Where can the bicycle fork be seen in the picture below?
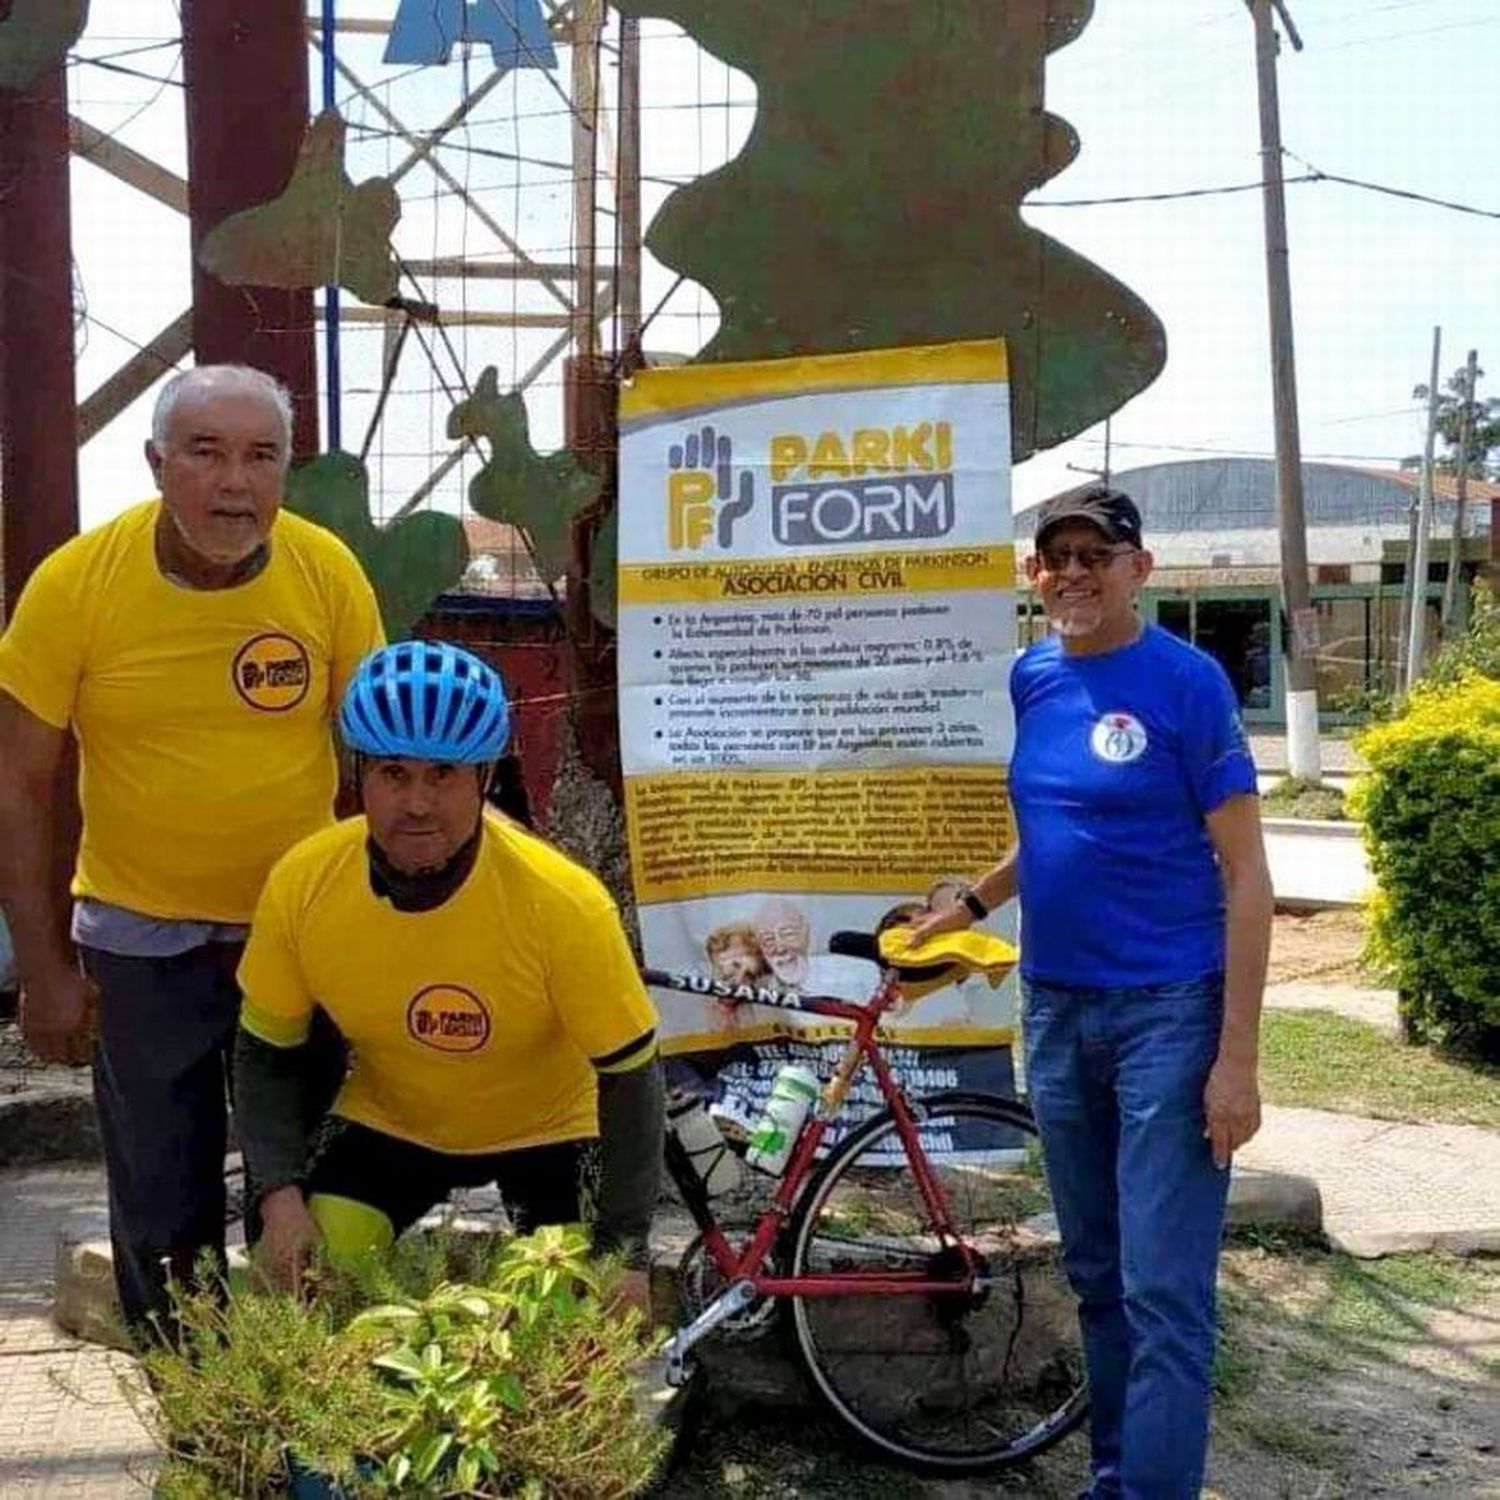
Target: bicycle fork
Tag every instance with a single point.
(733, 1300)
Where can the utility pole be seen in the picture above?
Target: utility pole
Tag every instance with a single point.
(1416, 561)
(1304, 752)
(1460, 497)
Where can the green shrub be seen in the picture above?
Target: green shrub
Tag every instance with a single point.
(1478, 648)
(1293, 797)
(1431, 810)
(520, 1382)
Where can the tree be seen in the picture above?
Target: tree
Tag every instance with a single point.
(1484, 427)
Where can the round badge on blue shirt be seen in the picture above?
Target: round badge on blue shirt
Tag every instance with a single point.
(1118, 739)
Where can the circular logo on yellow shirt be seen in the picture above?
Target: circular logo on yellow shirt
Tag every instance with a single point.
(448, 1019)
(272, 672)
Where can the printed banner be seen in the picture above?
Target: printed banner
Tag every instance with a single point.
(816, 626)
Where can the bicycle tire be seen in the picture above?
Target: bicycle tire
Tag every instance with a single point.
(938, 1421)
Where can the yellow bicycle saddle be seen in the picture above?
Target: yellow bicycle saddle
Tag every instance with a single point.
(945, 959)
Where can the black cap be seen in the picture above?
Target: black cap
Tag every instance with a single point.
(1112, 511)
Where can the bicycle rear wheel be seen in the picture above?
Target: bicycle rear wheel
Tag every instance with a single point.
(960, 1382)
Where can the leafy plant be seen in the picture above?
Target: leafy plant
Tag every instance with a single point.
(1292, 797)
(521, 1383)
(1478, 649)
(1431, 809)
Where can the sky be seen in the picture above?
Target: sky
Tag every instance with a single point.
(1162, 94)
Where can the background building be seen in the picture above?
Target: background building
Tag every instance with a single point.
(1212, 528)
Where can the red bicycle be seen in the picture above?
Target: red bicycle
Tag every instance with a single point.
(928, 1304)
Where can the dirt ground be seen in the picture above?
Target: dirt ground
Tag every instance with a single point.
(1319, 947)
(1337, 1380)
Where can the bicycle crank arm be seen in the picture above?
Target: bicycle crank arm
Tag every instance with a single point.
(733, 1300)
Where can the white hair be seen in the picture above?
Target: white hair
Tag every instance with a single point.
(227, 379)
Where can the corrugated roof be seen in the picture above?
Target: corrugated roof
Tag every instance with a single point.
(1239, 494)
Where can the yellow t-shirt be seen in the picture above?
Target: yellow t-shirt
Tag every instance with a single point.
(204, 717)
(475, 1027)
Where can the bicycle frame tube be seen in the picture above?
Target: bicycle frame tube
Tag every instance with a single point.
(746, 1263)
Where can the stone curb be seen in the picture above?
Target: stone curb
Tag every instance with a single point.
(1321, 828)
(48, 1125)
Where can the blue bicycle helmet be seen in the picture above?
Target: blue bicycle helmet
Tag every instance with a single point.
(426, 700)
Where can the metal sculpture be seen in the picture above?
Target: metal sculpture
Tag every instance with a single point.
(542, 494)
(877, 201)
(322, 230)
(35, 36)
(409, 562)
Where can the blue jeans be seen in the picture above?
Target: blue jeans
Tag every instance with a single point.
(1116, 1080)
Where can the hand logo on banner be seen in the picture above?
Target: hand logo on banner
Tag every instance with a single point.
(703, 499)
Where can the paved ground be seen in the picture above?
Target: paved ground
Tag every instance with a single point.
(1374, 1007)
(1388, 1187)
(1337, 757)
(1317, 864)
(66, 1432)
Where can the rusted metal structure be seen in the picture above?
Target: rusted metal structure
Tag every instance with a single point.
(38, 441)
(247, 106)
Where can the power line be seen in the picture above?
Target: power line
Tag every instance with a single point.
(1395, 36)
(1313, 174)
(1392, 192)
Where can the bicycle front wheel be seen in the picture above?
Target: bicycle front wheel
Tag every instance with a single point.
(961, 1381)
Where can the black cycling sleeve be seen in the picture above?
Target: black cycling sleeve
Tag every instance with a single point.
(632, 1117)
(270, 1110)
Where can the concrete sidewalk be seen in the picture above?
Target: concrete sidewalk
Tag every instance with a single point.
(1387, 1188)
(66, 1430)
(1317, 864)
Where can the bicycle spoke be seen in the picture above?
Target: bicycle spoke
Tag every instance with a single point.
(962, 1380)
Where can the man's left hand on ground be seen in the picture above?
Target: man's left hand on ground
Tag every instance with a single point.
(1231, 1108)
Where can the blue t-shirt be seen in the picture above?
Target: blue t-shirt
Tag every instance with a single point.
(1118, 759)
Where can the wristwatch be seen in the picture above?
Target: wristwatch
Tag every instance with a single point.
(970, 899)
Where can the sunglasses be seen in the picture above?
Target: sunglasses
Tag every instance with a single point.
(1056, 559)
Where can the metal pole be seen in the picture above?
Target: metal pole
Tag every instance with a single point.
(1301, 643)
(1460, 497)
(245, 67)
(331, 326)
(588, 27)
(628, 197)
(38, 413)
(1417, 563)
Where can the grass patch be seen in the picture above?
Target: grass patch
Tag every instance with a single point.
(1323, 1060)
(1292, 797)
(1385, 1301)
(1238, 1363)
(1289, 1435)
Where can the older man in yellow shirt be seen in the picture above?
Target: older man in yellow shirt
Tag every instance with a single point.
(196, 646)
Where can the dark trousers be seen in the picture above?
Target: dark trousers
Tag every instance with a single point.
(162, 1068)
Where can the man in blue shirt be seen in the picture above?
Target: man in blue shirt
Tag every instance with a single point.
(1146, 916)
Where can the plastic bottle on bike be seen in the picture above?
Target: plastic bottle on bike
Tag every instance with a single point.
(793, 1095)
(707, 1149)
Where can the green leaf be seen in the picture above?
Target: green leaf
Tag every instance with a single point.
(467, 1471)
(429, 1454)
(401, 1361)
(390, 1314)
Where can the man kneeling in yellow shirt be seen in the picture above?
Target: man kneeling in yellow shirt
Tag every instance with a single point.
(482, 980)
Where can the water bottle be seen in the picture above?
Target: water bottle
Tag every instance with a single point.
(793, 1095)
(708, 1151)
